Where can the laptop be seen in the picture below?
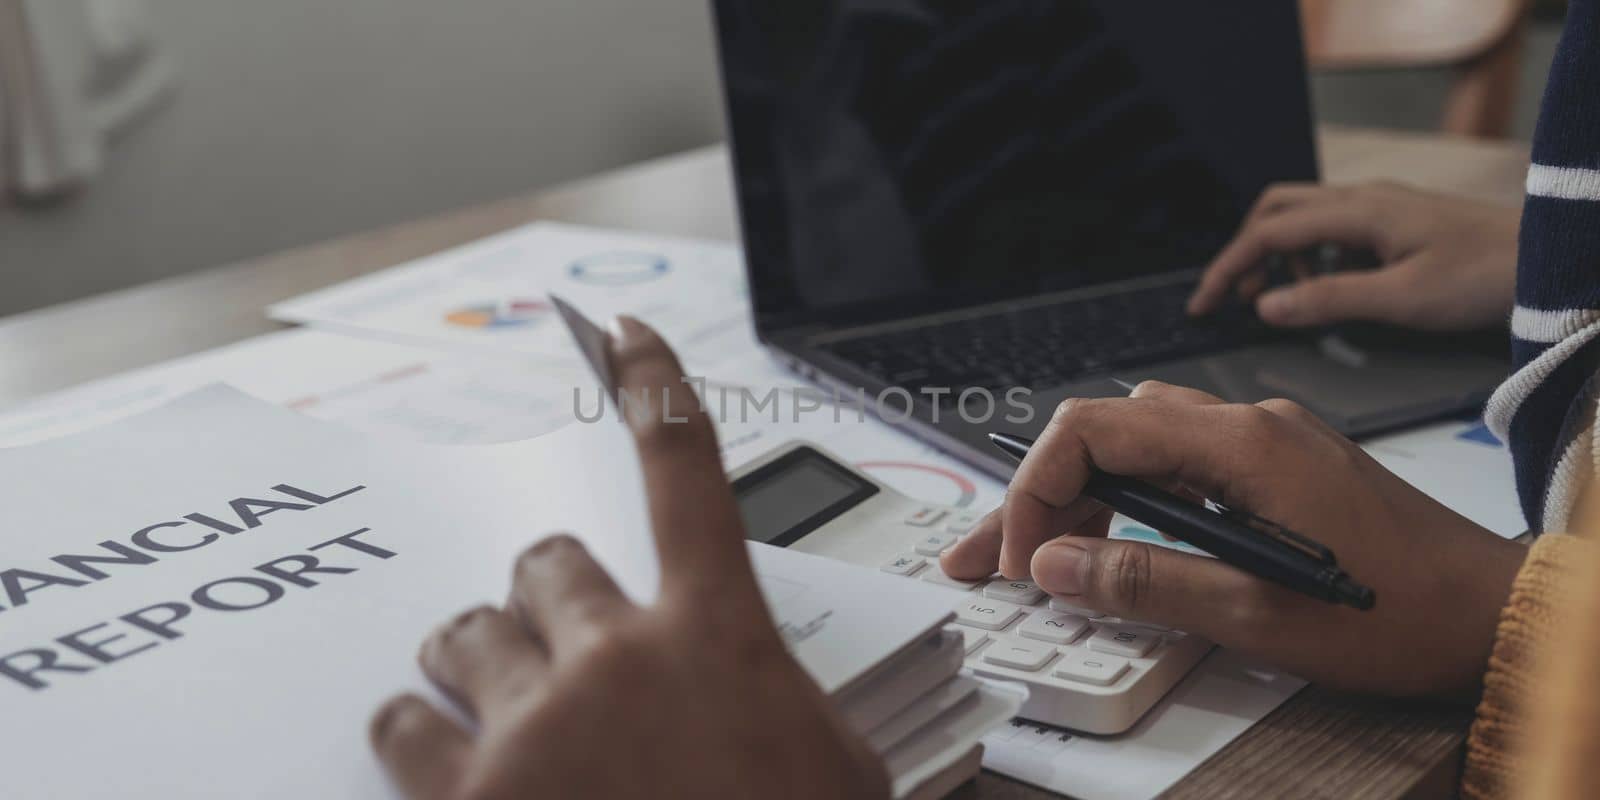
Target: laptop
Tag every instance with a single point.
(949, 204)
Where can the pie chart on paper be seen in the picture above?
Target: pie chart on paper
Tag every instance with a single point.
(500, 316)
(619, 269)
(926, 482)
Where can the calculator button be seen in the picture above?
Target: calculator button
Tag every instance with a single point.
(936, 575)
(1123, 641)
(1023, 593)
(1048, 626)
(1057, 604)
(961, 524)
(990, 615)
(1137, 624)
(934, 543)
(970, 639)
(904, 565)
(925, 517)
(1020, 655)
(1087, 667)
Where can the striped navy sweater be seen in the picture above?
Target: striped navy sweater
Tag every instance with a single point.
(1545, 410)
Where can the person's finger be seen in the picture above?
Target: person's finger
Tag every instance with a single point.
(1348, 223)
(483, 659)
(424, 752)
(1167, 443)
(564, 596)
(1146, 583)
(698, 532)
(1280, 196)
(975, 555)
(1377, 295)
(1171, 393)
(1290, 410)
(1097, 526)
(1157, 390)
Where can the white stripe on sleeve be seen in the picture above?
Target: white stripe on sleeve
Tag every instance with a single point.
(1564, 183)
(1549, 327)
(1505, 401)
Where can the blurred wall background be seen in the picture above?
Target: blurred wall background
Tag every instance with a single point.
(299, 120)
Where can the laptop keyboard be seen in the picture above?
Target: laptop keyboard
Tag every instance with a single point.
(1045, 346)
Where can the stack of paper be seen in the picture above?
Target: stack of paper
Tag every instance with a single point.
(182, 593)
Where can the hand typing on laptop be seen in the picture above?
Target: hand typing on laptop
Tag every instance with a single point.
(1447, 263)
(1441, 580)
(578, 692)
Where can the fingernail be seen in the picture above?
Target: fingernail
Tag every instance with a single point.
(1276, 305)
(1061, 568)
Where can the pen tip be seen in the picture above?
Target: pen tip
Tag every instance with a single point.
(1355, 595)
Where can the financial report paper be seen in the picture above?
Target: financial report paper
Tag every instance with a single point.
(219, 592)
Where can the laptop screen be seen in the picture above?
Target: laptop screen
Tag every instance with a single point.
(896, 157)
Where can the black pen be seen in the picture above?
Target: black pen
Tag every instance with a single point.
(1262, 548)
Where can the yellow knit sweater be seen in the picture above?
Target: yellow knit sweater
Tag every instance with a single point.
(1536, 635)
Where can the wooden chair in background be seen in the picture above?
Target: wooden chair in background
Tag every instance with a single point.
(1481, 38)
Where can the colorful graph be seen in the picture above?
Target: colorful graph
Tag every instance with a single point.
(913, 479)
(1138, 533)
(1480, 434)
(500, 316)
(619, 269)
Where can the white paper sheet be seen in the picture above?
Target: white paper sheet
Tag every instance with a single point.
(1219, 700)
(384, 388)
(1461, 465)
(491, 294)
(271, 701)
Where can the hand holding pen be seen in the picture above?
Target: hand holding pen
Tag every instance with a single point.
(1279, 462)
(1243, 540)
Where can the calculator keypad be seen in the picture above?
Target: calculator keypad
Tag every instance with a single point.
(972, 639)
(1015, 625)
(904, 565)
(1056, 628)
(936, 575)
(1122, 640)
(1092, 668)
(934, 543)
(1020, 655)
(1024, 593)
(1057, 604)
(990, 615)
(961, 524)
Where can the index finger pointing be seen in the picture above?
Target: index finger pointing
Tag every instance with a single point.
(699, 535)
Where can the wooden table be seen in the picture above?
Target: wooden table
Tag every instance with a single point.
(1319, 744)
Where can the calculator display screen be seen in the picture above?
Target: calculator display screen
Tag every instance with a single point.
(795, 495)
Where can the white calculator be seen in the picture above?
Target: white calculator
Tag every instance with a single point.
(1083, 671)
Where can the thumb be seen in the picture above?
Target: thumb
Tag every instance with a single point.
(1144, 583)
(1326, 299)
